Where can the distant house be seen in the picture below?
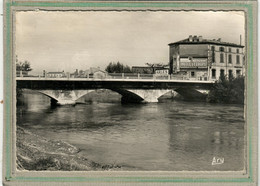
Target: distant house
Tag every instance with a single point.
(162, 72)
(74, 74)
(100, 74)
(82, 73)
(55, 74)
(93, 72)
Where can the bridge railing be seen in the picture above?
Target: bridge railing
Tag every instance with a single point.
(127, 76)
(143, 76)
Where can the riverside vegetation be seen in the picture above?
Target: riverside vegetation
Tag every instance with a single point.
(228, 90)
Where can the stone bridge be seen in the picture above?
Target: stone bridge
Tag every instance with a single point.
(67, 91)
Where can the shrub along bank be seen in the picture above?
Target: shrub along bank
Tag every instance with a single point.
(228, 90)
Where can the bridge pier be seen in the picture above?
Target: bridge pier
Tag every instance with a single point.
(64, 97)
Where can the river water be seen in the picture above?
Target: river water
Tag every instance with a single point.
(168, 136)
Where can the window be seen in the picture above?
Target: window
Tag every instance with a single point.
(230, 73)
(221, 49)
(221, 58)
(237, 50)
(238, 72)
(192, 74)
(213, 54)
(230, 50)
(229, 58)
(238, 59)
(222, 72)
(213, 73)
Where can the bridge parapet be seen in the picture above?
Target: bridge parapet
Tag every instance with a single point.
(115, 79)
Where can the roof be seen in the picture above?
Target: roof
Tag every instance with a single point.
(206, 41)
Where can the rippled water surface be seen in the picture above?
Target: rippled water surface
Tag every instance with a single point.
(171, 135)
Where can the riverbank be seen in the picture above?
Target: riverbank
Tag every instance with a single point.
(37, 153)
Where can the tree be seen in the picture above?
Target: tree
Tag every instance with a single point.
(228, 90)
(118, 68)
(23, 66)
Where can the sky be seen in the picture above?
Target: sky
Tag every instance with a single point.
(69, 40)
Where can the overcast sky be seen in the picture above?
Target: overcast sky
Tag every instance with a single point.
(69, 40)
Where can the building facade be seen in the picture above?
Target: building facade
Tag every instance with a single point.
(55, 74)
(162, 72)
(201, 59)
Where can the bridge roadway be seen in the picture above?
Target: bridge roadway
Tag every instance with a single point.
(68, 90)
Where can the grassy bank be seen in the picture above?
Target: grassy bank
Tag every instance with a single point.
(37, 153)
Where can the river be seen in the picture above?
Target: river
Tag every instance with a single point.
(167, 136)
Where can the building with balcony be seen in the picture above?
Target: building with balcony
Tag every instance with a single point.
(202, 59)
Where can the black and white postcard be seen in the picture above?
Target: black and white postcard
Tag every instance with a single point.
(130, 92)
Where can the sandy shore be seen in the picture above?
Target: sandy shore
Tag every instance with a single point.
(37, 153)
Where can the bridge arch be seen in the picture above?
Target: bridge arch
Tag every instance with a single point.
(192, 93)
(64, 97)
(128, 96)
(141, 95)
(173, 94)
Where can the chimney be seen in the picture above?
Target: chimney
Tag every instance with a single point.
(240, 39)
(219, 39)
(200, 38)
(190, 38)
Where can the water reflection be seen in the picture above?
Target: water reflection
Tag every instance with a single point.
(165, 136)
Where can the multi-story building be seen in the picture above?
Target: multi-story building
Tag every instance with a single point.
(203, 59)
